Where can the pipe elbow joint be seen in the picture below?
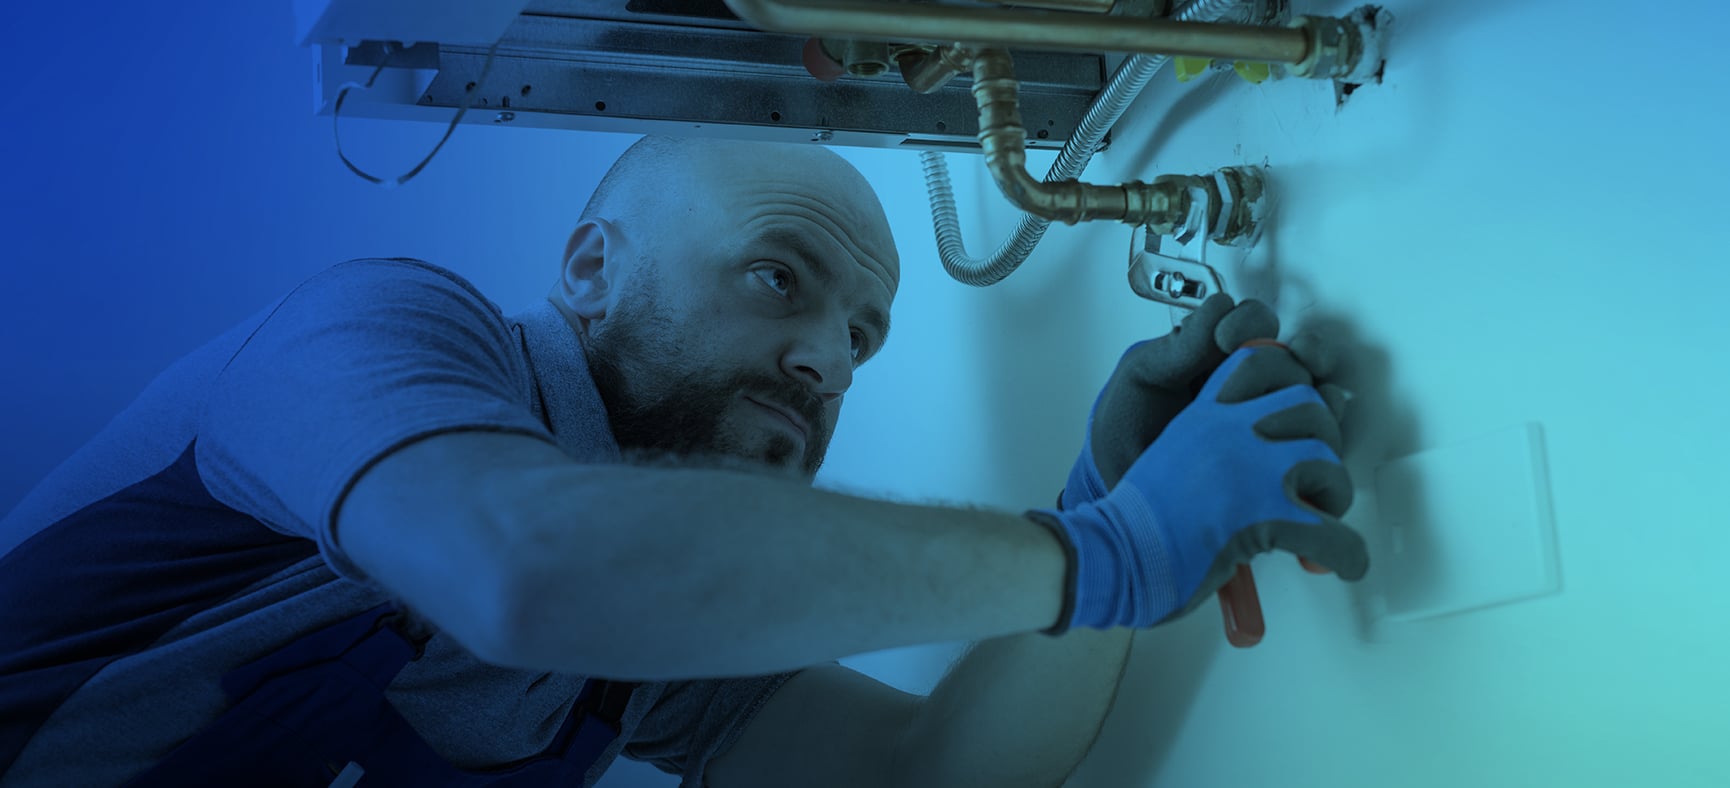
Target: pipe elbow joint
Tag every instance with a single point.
(1178, 205)
(1034, 197)
(1004, 141)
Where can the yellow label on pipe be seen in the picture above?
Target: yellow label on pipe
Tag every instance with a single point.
(1189, 68)
(1253, 73)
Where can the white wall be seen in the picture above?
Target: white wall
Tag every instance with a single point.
(1526, 222)
(1523, 223)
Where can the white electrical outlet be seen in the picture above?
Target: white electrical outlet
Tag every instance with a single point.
(1467, 526)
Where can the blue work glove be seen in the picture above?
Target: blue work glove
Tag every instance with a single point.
(1153, 381)
(1252, 465)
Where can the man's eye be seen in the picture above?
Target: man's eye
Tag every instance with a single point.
(778, 279)
(858, 346)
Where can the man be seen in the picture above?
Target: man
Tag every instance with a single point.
(380, 534)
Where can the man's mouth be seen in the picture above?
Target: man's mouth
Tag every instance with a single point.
(793, 419)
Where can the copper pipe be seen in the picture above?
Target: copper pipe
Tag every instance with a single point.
(1163, 206)
(1048, 31)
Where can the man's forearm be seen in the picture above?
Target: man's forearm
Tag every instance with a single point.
(701, 573)
(1016, 712)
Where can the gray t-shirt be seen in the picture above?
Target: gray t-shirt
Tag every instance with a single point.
(193, 535)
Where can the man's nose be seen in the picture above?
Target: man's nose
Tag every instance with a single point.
(825, 363)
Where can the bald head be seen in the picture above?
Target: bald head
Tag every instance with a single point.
(658, 181)
(624, 188)
(651, 163)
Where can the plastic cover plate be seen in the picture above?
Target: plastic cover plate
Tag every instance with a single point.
(1467, 526)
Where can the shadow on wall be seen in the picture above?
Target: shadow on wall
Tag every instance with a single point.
(1378, 425)
(1040, 330)
(1170, 663)
(1045, 319)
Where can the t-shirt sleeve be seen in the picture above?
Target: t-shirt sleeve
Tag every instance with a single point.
(696, 721)
(360, 360)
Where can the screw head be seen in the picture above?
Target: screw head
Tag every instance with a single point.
(1177, 286)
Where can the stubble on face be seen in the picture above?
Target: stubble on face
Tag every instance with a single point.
(660, 401)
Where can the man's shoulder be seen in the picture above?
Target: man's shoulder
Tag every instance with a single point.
(380, 270)
(401, 287)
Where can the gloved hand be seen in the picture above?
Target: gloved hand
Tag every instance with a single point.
(1153, 381)
(1220, 484)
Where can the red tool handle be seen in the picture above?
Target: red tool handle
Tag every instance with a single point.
(1240, 605)
(1239, 602)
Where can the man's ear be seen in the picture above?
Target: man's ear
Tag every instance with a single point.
(588, 278)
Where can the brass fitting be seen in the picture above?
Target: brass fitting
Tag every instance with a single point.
(1347, 48)
(1164, 206)
(927, 71)
(858, 58)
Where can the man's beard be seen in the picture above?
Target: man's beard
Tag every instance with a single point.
(654, 406)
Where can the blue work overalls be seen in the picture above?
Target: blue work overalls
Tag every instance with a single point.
(314, 714)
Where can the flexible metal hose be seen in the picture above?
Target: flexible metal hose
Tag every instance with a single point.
(1119, 92)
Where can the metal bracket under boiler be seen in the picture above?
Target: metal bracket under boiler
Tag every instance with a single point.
(661, 67)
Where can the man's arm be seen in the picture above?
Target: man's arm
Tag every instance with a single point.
(531, 560)
(828, 725)
(1016, 712)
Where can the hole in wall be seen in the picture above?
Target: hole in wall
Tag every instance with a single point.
(1343, 91)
